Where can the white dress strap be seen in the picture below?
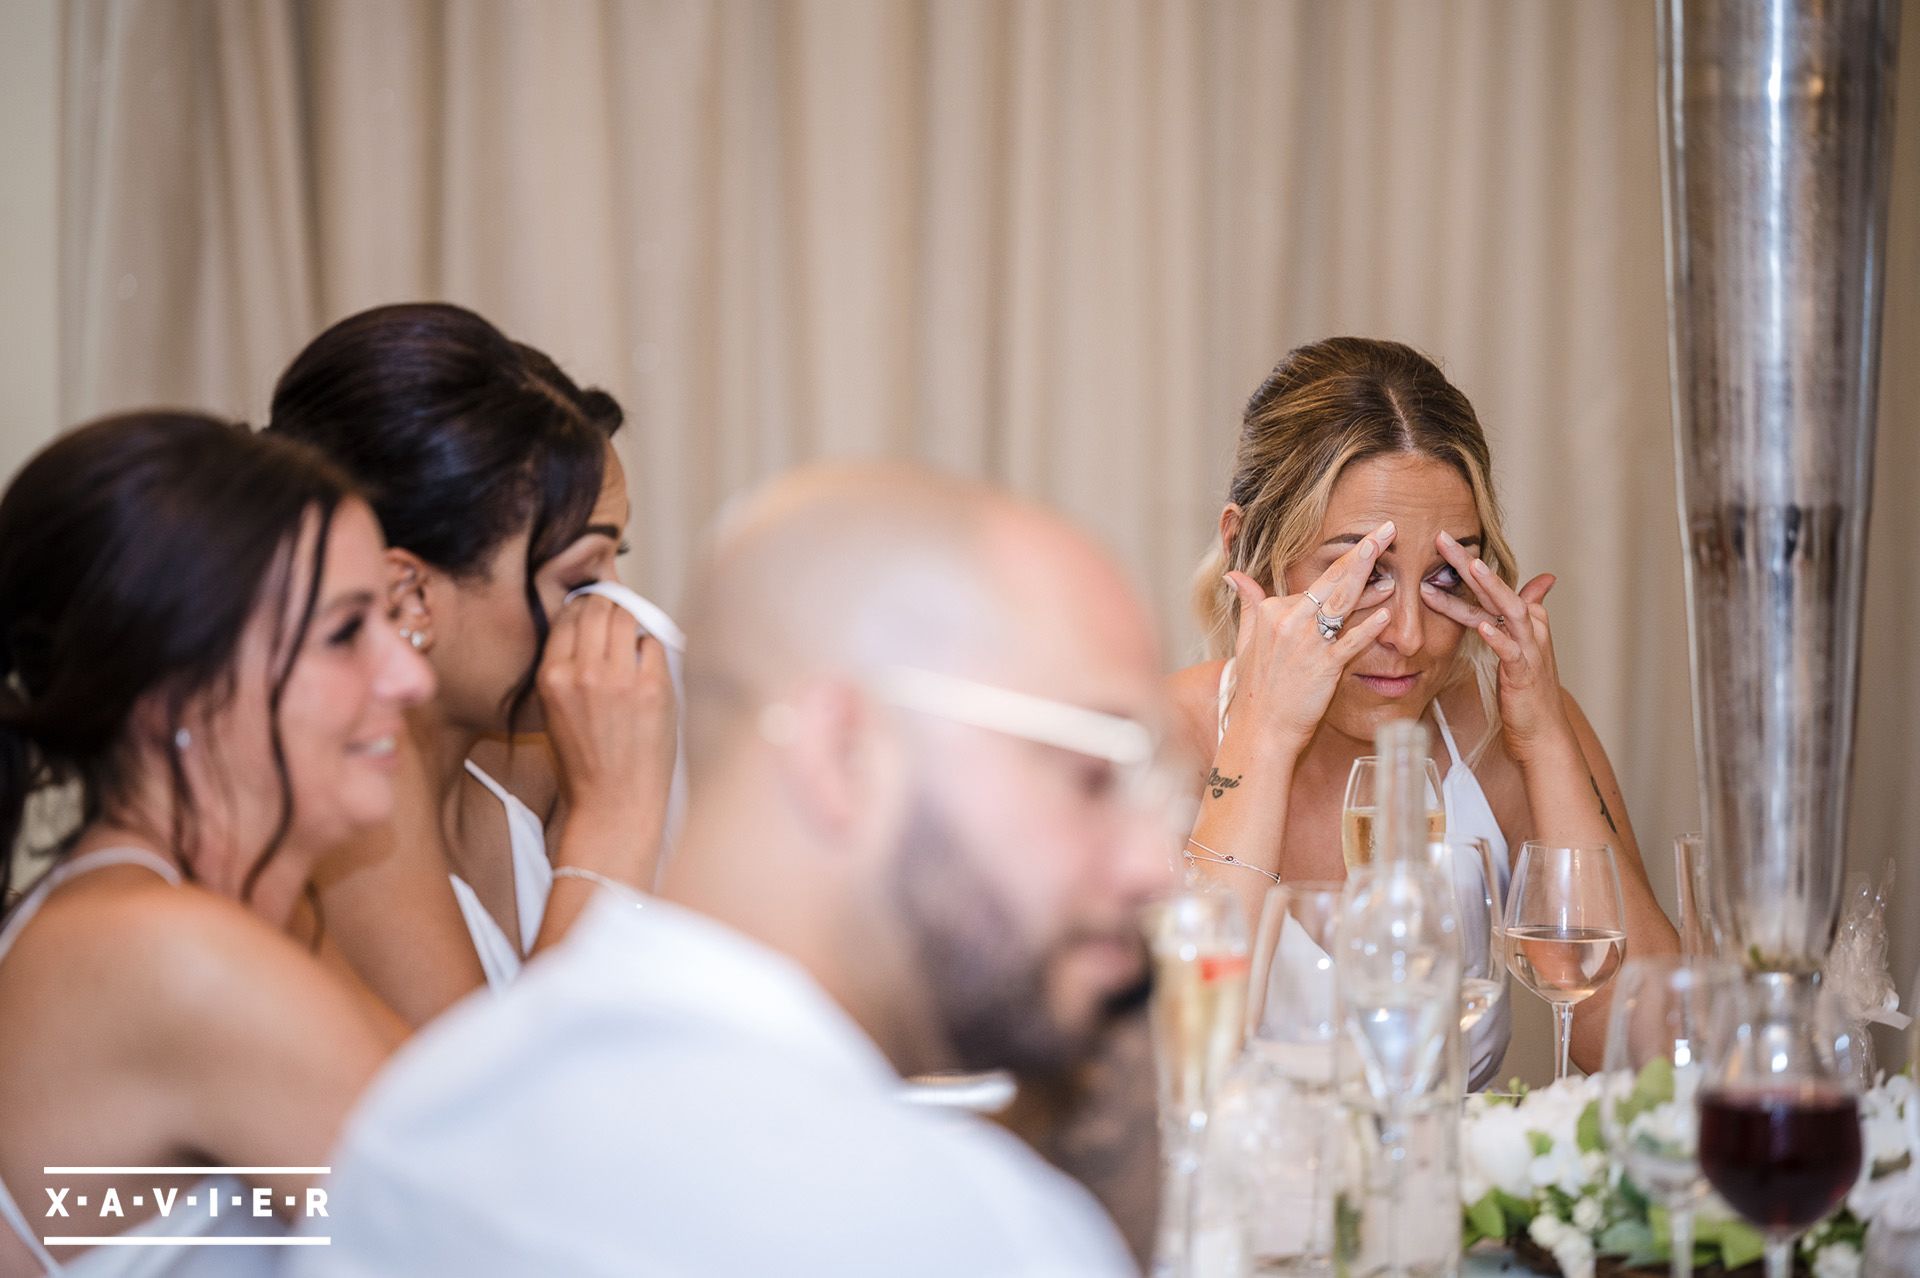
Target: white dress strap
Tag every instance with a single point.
(500, 954)
(1225, 697)
(13, 1218)
(1446, 734)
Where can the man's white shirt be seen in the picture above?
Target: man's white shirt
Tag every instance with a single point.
(664, 1096)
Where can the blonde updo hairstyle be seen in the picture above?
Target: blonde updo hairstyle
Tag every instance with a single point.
(1322, 408)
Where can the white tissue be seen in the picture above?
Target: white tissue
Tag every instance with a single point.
(655, 622)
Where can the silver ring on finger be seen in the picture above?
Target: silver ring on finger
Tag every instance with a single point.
(1329, 626)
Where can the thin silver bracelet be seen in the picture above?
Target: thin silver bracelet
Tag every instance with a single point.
(598, 880)
(1208, 854)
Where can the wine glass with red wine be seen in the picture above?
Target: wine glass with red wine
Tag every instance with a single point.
(1779, 1119)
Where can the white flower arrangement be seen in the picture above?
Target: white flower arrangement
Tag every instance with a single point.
(1535, 1165)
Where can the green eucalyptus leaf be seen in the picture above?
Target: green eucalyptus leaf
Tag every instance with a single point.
(1487, 1217)
(1740, 1244)
(1586, 1134)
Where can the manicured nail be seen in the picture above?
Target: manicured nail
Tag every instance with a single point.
(1480, 566)
(1446, 539)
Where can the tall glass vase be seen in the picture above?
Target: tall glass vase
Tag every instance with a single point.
(1776, 125)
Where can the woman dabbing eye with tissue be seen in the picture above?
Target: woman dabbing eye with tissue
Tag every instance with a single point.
(495, 479)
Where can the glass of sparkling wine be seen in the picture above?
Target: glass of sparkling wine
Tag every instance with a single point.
(1359, 817)
(1566, 929)
(1198, 942)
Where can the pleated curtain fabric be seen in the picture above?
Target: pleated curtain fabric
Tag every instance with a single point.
(1053, 242)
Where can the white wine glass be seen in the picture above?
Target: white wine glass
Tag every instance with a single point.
(1662, 1045)
(1566, 929)
(1360, 814)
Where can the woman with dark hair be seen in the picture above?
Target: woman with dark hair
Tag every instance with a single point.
(193, 632)
(1362, 493)
(496, 481)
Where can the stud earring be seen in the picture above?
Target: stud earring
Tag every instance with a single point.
(417, 638)
(182, 739)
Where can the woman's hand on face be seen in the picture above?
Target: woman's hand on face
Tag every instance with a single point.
(1284, 671)
(1514, 624)
(610, 712)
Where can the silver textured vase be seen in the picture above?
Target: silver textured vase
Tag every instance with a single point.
(1777, 121)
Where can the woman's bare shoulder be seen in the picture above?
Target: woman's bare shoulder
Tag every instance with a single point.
(1193, 696)
(144, 976)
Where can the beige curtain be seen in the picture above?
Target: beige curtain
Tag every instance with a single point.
(1054, 242)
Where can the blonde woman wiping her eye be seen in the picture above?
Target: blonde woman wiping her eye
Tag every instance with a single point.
(1362, 490)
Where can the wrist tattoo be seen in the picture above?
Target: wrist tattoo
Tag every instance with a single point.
(1605, 815)
(1219, 784)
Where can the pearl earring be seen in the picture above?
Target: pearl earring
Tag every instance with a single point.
(417, 639)
(182, 739)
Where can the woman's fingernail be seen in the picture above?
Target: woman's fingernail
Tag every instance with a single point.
(1480, 566)
(1446, 539)
(1385, 530)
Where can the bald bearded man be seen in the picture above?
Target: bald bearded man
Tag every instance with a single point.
(922, 822)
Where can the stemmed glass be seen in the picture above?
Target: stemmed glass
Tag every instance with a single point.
(1779, 1120)
(1277, 1112)
(1661, 1044)
(1198, 943)
(1566, 929)
(1467, 864)
(1699, 926)
(1397, 968)
(1359, 815)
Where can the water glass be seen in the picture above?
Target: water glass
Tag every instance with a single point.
(1661, 1044)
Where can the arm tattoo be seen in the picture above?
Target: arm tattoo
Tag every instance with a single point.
(1603, 804)
(1219, 784)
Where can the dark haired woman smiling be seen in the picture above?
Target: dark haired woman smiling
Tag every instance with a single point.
(499, 490)
(193, 628)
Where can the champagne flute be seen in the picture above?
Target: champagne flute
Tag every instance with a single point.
(1699, 925)
(1360, 815)
(1779, 1120)
(1566, 929)
(1197, 1012)
(1661, 1042)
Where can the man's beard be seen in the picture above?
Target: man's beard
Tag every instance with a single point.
(990, 994)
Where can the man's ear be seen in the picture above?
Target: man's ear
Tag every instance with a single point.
(1229, 529)
(837, 754)
(407, 578)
